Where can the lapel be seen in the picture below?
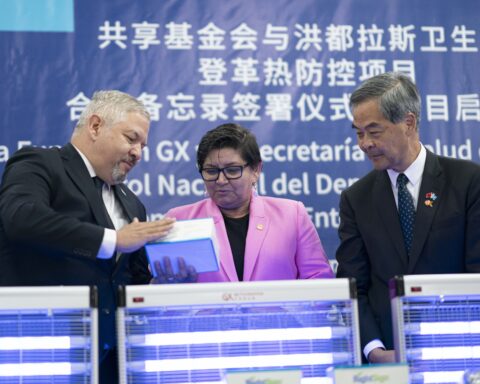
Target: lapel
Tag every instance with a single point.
(432, 181)
(78, 172)
(257, 230)
(227, 265)
(127, 204)
(384, 201)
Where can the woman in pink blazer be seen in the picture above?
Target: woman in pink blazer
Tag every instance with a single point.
(260, 238)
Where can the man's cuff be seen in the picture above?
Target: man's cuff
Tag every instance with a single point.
(371, 346)
(107, 248)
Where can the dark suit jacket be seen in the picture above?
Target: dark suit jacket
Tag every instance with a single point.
(446, 236)
(52, 225)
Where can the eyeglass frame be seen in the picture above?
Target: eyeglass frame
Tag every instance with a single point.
(222, 170)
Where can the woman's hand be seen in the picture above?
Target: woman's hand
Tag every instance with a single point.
(186, 273)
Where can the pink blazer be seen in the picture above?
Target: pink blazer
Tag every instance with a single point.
(282, 242)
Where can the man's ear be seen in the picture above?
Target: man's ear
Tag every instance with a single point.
(94, 124)
(411, 122)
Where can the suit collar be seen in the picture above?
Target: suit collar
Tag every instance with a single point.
(87, 163)
(79, 174)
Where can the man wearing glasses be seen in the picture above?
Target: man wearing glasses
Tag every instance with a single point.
(260, 238)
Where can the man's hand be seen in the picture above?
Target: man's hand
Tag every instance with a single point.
(165, 275)
(134, 235)
(381, 356)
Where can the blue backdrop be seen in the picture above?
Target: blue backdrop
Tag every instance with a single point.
(282, 68)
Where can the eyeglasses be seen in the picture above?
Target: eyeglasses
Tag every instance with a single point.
(231, 172)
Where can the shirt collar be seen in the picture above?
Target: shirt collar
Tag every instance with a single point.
(89, 166)
(414, 171)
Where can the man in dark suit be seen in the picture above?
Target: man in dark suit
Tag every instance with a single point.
(58, 228)
(415, 213)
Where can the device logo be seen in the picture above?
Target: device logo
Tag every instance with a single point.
(244, 296)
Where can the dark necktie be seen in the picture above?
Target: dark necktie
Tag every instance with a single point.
(99, 186)
(406, 211)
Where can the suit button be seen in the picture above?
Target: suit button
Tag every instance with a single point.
(106, 311)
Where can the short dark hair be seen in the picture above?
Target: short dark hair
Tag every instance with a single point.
(233, 136)
(396, 93)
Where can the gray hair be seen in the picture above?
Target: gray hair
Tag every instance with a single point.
(396, 93)
(112, 106)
